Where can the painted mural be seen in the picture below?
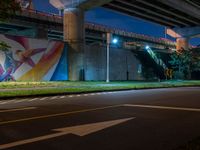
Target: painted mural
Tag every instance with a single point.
(29, 59)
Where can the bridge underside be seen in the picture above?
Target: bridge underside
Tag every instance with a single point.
(170, 13)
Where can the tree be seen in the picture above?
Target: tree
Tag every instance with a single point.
(8, 8)
(184, 62)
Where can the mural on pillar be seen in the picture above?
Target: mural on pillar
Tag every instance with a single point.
(28, 59)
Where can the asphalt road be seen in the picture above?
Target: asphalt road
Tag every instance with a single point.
(157, 119)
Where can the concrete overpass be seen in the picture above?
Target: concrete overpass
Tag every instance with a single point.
(180, 16)
(170, 13)
(174, 14)
(37, 24)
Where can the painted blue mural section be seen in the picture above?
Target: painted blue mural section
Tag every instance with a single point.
(61, 72)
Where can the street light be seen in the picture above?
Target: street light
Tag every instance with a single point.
(147, 47)
(114, 41)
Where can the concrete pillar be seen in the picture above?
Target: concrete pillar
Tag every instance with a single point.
(74, 35)
(31, 6)
(182, 43)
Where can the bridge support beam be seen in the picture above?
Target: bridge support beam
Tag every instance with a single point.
(182, 43)
(183, 35)
(74, 35)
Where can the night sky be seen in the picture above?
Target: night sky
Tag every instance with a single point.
(114, 19)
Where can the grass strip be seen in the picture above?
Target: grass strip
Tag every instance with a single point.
(66, 87)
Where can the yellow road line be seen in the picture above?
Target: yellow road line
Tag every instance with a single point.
(17, 109)
(58, 114)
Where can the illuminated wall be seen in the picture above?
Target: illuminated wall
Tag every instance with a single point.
(30, 59)
(123, 64)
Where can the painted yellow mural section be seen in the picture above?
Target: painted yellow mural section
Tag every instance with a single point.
(45, 64)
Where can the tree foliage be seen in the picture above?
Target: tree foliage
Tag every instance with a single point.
(8, 8)
(185, 62)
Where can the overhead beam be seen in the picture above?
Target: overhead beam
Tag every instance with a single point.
(82, 4)
(89, 4)
(183, 6)
(143, 15)
(148, 3)
(188, 32)
(153, 12)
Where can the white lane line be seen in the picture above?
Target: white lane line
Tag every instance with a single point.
(11, 101)
(61, 97)
(110, 92)
(4, 102)
(70, 96)
(42, 99)
(17, 109)
(104, 93)
(58, 114)
(19, 101)
(92, 94)
(164, 107)
(7, 101)
(55, 97)
(85, 94)
(34, 99)
(98, 93)
(78, 95)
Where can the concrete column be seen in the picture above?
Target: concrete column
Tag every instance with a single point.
(182, 43)
(74, 35)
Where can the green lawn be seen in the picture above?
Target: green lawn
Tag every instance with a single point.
(45, 88)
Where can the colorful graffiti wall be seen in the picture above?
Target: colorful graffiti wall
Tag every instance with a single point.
(28, 59)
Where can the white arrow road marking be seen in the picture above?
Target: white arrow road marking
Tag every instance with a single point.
(80, 130)
(163, 107)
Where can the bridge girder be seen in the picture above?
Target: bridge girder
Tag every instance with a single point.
(170, 13)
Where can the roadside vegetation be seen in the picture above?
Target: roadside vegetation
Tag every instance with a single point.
(12, 89)
(185, 63)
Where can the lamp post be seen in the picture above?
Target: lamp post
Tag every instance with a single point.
(108, 42)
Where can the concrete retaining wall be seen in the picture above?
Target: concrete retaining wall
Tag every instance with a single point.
(123, 64)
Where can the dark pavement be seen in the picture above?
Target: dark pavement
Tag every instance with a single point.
(156, 119)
